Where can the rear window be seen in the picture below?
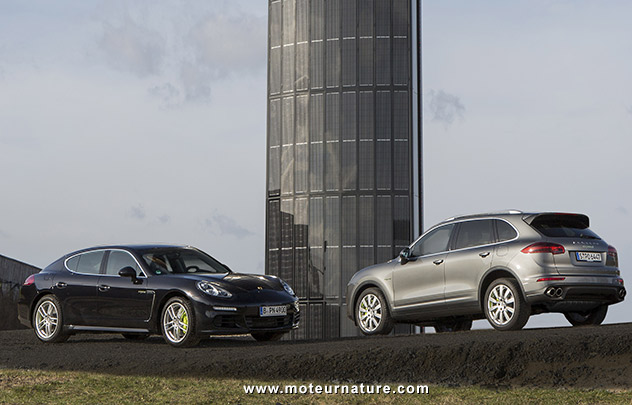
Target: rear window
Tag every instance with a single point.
(564, 226)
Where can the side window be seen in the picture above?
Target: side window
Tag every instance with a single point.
(90, 263)
(435, 242)
(119, 259)
(505, 231)
(475, 233)
(72, 263)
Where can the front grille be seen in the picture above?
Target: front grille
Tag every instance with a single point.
(225, 321)
(255, 322)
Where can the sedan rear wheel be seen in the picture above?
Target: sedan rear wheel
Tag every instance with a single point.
(372, 313)
(48, 320)
(178, 323)
(592, 317)
(505, 307)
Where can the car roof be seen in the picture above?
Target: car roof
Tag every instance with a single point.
(525, 215)
(132, 247)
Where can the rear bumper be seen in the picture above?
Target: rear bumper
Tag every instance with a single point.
(577, 293)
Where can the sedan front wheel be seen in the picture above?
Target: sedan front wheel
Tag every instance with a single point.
(178, 323)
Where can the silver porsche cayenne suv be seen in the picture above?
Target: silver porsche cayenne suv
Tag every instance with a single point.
(502, 266)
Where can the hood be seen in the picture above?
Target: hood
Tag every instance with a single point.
(243, 282)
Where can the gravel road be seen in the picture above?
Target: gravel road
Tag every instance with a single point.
(590, 357)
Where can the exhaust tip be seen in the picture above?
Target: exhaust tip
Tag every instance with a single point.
(559, 292)
(622, 293)
(550, 291)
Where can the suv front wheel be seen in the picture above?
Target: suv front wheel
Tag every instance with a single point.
(505, 308)
(372, 314)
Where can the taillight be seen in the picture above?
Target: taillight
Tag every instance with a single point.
(613, 258)
(551, 279)
(544, 247)
(29, 280)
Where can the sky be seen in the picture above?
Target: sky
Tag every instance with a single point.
(145, 121)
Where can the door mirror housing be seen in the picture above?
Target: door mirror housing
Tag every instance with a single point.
(404, 255)
(129, 272)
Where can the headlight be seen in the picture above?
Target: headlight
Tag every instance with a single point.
(212, 289)
(286, 287)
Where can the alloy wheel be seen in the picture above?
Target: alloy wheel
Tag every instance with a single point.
(175, 322)
(501, 304)
(370, 312)
(46, 319)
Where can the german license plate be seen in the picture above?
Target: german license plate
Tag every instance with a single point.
(279, 310)
(588, 256)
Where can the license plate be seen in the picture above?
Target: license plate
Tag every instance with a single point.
(280, 310)
(588, 256)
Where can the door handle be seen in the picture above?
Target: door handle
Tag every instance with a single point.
(484, 254)
(104, 288)
(438, 261)
(61, 284)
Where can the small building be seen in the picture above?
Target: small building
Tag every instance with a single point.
(12, 275)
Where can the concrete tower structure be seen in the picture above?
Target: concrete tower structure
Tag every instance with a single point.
(343, 147)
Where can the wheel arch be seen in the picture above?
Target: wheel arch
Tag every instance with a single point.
(37, 299)
(161, 304)
(361, 288)
(494, 274)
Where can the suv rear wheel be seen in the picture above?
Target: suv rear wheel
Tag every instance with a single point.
(372, 313)
(592, 317)
(505, 308)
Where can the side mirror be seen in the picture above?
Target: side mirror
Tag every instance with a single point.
(404, 255)
(129, 272)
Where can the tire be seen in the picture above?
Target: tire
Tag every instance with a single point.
(586, 318)
(178, 323)
(453, 325)
(48, 320)
(267, 336)
(505, 307)
(136, 336)
(372, 314)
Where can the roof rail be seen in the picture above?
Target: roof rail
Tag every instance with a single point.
(484, 214)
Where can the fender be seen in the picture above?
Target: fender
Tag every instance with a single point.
(503, 269)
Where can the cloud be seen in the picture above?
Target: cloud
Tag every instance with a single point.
(167, 92)
(196, 82)
(444, 107)
(622, 210)
(137, 211)
(186, 49)
(3, 234)
(227, 43)
(129, 47)
(164, 219)
(629, 110)
(224, 225)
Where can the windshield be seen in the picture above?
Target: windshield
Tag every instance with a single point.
(180, 260)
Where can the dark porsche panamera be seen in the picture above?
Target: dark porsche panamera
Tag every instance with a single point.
(138, 290)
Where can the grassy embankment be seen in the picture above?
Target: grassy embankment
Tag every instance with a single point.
(31, 386)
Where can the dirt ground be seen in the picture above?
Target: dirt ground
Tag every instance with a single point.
(590, 357)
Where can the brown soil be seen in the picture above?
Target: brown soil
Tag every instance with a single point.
(590, 357)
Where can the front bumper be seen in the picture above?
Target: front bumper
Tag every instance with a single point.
(229, 319)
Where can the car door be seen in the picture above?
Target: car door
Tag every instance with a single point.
(121, 302)
(470, 257)
(420, 281)
(76, 288)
